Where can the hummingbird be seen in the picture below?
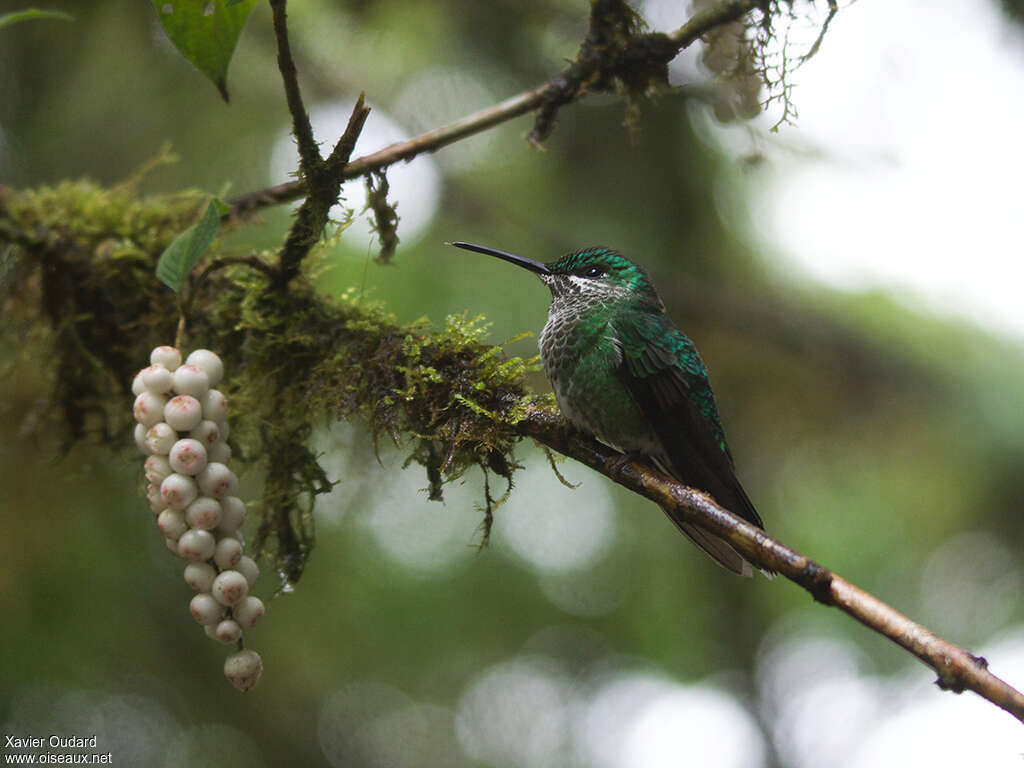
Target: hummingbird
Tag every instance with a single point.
(622, 372)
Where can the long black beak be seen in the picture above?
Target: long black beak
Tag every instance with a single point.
(522, 261)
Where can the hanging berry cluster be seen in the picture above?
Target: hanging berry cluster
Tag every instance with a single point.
(182, 429)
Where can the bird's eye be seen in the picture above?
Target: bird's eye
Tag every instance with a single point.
(593, 272)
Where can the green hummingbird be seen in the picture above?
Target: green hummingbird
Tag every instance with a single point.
(624, 373)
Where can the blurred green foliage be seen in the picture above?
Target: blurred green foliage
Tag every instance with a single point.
(867, 434)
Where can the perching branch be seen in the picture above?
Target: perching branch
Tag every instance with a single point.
(957, 669)
(594, 70)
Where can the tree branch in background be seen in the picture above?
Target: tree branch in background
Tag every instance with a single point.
(957, 669)
(636, 60)
(702, 22)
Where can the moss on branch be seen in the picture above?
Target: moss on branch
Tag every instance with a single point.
(82, 263)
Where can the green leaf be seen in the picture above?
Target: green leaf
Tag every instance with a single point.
(205, 32)
(6, 19)
(223, 209)
(182, 254)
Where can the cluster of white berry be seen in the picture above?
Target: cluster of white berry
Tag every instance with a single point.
(182, 428)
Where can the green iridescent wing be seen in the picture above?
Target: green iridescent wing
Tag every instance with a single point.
(666, 377)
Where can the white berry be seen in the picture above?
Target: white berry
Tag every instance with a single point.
(139, 436)
(148, 408)
(183, 412)
(200, 576)
(160, 438)
(248, 568)
(205, 609)
(209, 362)
(232, 514)
(196, 546)
(156, 379)
(227, 632)
(157, 468)
(178, 490)
(230, 588)
(217, 480)
(189, 380)
(215, 405)
(219, 452)
(155, 498)
(249, 611)
(203, 513)
(227, 554)
(243, 669)
(137, 386)
(168, 357)
(188, 457)
(171, 524)
(206, 432)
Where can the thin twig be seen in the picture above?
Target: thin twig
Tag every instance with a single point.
(309, 152)
(321, 179)
(833, 9)
(525, 102)
(229, 261)
(957, 669)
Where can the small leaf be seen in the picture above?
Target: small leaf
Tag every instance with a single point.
(6, 19)
(182, 254)
(205, 32)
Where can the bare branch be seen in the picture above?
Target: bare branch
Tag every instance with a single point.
(527, 101)
(957, 669)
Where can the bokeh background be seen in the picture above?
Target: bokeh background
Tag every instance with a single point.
(852, 280)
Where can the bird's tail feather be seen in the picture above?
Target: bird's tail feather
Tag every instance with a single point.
(718, 549)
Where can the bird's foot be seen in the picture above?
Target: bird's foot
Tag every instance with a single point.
(617, 464)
